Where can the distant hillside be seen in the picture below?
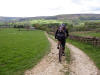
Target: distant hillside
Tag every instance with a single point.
(57, 17)
(79, 16)
(8, 19)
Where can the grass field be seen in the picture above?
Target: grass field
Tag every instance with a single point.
(21, 50)
(91, 51)
(93, 34)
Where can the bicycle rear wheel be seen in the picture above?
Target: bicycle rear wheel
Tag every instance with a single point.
(60, 53)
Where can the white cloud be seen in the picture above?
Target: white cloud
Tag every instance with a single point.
(32, 8)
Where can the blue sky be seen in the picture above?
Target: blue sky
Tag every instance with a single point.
(31, 8)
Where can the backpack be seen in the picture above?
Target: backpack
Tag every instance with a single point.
(61, 34)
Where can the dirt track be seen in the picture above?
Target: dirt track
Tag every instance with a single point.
(49, 65)
(81, 63)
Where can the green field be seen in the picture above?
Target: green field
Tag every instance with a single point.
(84, 33)
(92, 51)
(42, 21)
(21, 50)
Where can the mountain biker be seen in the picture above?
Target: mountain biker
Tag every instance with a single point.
(61, 35)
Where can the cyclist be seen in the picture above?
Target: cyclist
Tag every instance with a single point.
(61, 35)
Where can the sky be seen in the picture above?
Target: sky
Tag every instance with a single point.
(32, 8)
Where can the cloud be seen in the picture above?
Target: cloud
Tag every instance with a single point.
(96, 9)
(77, 1)
(87, 6)
(31, 8)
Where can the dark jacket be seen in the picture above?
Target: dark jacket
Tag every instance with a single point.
(65, 31)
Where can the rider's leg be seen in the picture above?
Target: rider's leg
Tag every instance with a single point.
(58, 44)
(63, 44)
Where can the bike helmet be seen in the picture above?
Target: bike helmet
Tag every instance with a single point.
(63, 25)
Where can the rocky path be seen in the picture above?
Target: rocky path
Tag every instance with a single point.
(81, 63)
(49, 65)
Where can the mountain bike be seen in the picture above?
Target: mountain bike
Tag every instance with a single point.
(60, 51)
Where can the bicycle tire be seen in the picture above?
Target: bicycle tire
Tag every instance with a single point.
(60, 53)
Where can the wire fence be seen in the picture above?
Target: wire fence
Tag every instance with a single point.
(92, 40)
(95, 41)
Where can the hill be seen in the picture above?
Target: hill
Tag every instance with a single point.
(56, 17)
(79, 17)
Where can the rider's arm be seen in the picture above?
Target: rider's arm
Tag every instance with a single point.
(67, 32)
(56, 34)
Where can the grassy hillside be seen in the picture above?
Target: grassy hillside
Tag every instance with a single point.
(79, 16)
(21, 50)
(42, 21)
(64, 17)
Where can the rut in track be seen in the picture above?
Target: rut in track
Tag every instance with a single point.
(50, 65)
